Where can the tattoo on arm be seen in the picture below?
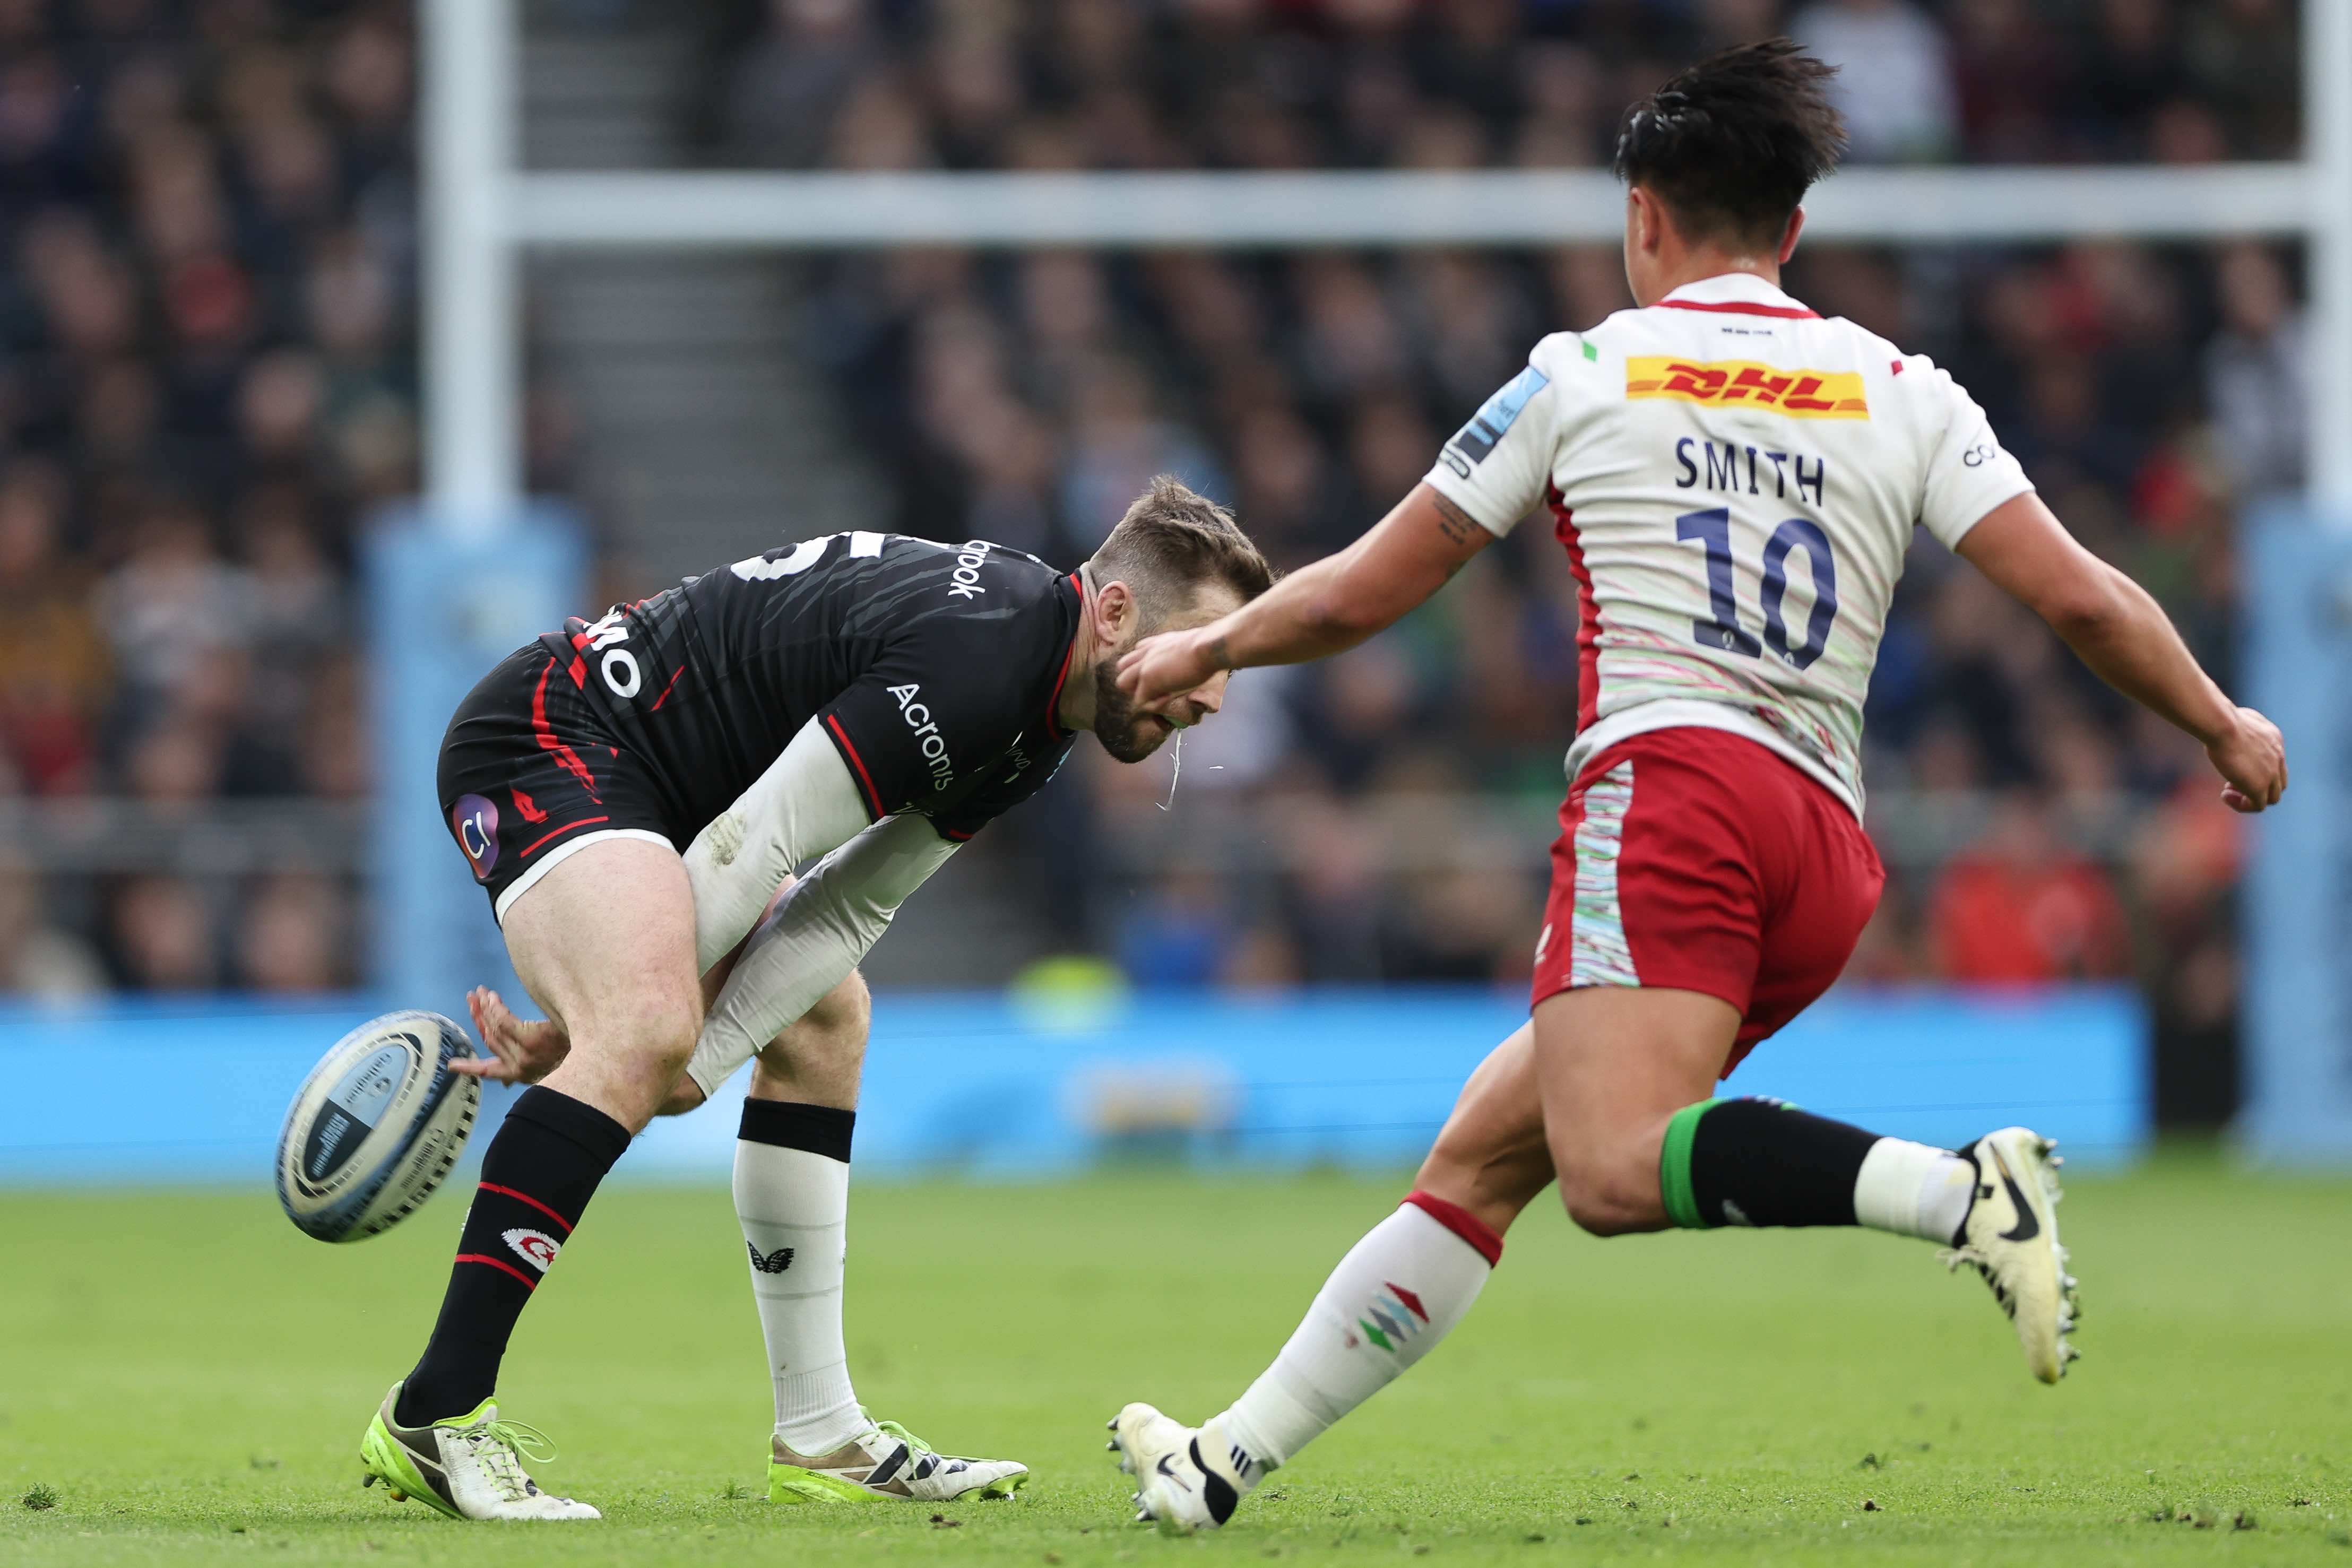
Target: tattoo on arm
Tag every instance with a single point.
(1219, 656)
(1459, 528)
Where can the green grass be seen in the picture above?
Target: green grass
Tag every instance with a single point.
(184, 1379)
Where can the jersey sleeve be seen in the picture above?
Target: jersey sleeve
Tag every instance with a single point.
(935, 710)
(1969, 471)
(1498, 466)
(1016, 776)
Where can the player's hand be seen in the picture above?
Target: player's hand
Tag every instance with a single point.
(522, 1051)
(2252, 760)
(1158, 669)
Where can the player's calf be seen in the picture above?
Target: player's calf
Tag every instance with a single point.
(1490, 1160)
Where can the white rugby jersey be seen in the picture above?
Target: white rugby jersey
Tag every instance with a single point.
(1735, 480)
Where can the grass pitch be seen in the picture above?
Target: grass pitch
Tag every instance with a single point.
(184, 1379)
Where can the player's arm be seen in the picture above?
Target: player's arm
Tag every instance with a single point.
(818, 932)
(805, 805)
(2127, 640)
(1322, 608)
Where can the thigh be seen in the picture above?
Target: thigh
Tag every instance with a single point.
(1491, 1157)
(604, 942)
(1613, 1064)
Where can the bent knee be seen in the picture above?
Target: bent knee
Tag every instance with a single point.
(843, 1014)
(658, 1033)
(1613, 1196)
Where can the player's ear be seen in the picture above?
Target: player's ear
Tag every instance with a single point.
(1116, 613)
(1788, 235)
(1644, 220)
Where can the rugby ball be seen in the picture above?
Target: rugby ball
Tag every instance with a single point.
(376, 1126)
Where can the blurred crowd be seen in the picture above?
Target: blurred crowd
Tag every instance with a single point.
(1023, 398)
(207, 344)
(205, 382)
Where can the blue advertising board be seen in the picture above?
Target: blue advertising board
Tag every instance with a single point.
(166, 1091)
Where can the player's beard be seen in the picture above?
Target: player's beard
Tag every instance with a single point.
(1126, 734)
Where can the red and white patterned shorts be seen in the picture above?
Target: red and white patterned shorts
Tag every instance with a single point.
(1697, 860)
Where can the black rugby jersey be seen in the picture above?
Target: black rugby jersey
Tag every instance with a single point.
(935, 670)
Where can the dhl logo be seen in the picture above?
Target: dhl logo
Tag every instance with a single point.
(1743, 383)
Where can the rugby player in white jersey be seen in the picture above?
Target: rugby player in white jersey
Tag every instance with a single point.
(1736, 481)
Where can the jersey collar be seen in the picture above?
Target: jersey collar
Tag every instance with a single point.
(1077, 591)
(1737, 294)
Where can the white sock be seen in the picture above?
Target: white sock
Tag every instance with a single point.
(1395, 1294)
(1914, 1189)
(794, 1209)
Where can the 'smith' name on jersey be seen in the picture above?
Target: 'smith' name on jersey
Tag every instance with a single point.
(1723, 472)
(1735, 482)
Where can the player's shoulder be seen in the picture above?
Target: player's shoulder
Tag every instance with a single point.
(1911, 386)
(1569, 365)
(971, 573)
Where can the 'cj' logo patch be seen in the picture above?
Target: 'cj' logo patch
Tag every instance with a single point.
(475, 820)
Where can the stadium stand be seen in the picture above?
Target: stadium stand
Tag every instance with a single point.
(206, 336)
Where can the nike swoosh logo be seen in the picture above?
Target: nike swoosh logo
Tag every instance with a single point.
(2028, 1228)
(1167, 1468)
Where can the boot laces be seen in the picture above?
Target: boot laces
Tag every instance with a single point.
(500, 1447)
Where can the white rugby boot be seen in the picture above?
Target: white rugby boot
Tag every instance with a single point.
(2010, 1236)
(1186, 1478)
(468, 1468)
(887, 1463)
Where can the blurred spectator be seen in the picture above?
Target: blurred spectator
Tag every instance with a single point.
(293, 936)
(1895, 77)
(163, 935)
(2255, 374)
(2020, 907)
(37, 959)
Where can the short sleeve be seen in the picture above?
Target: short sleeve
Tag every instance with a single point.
(1969, 471)
(928, 718)
(1498, 466)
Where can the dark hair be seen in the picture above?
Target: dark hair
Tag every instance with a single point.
(1173, 540)
(1732, 143)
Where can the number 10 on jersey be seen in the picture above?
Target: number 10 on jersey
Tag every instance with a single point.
(1722, 630)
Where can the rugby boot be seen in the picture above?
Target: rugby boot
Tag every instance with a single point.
(468, 1467)
(1186, 1478)
(886, 1463)
(2010, 1236)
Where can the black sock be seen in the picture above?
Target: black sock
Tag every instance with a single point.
(537, 1177)
(1760, 1162)
(788, 1125)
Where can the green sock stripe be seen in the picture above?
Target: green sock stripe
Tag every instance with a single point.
(1673, 1167)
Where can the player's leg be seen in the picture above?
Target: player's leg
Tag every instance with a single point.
(1398, 1292)
(791, 1197)
(604, 942)
(1709, 893)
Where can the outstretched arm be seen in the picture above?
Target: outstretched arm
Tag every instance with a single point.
(1321, 609)
(2125, 636)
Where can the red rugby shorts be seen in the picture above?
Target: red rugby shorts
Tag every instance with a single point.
(1697, 860)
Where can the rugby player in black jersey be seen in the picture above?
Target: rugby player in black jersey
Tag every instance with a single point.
(635, 794)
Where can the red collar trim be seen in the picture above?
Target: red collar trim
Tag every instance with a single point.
(1053, 700)
(1742, 307)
